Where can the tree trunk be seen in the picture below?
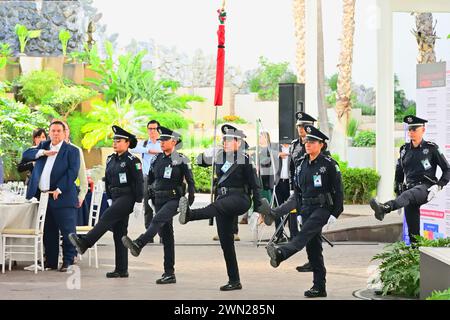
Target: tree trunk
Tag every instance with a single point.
(425, 34)
(322, 108)
(299, 19)
(344, 85)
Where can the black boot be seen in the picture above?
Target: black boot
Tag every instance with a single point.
(305, 268)
(117, 274)
(231, 286)
(183, 208)
(275, 254)
(316, 293)
(380, 208)
(134, 246)
(79, 243)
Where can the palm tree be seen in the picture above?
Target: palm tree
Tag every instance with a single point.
(344, 85)
(425, 34)
(299, 20)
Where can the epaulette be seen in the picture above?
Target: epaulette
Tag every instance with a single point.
(432, 144)
(294, 141)
(131, 157)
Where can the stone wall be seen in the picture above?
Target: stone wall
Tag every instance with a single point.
(51, 18)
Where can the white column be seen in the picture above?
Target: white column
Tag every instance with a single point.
(385, 157)
(311, 58)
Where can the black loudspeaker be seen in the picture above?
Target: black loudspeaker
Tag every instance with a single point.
(291, 101)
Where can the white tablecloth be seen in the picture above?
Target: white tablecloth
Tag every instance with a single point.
(18, 216)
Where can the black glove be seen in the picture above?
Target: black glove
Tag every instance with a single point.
(191, 198)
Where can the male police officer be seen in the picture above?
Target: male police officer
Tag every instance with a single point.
(236, 180)
(123, 182)
(417, 163)
(297, 151)
(320, 198)
(167, 174)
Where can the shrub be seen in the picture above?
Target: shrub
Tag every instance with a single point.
(365, 139)
(399, 268)
(38, 84)
(359, 184)
(366, 110)
(66, 99)
(202, 176)
(352, 128)
(440, 295)
(231, 119)
(76, 121)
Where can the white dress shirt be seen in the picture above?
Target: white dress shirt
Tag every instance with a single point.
(284, 174)
(44, 181)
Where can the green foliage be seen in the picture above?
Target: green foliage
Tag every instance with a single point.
(267, 78)
(359, 183)
(399, 268)
(231, 119)
(17, 122)
(366, 110)
(331, 98)
(127, 79)
(25, 35)
(66, 99)
(64, 37)
(132, 116)
(76, 120)
(5, 54)
(38, 84)
(440, 295)
(402, 106)
(82, 56)
(365, 138)
(202, 176)
(352, 128)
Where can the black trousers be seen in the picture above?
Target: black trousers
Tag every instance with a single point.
(411, 200)
(226, 209)
(282, 192)
(115, 219)
(314, 218)
(162, 223)
(148, 211)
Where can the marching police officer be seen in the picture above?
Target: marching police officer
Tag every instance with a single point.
(167, 175)
(123, 182)
(417, 164)
(236, 181)
(320, 198)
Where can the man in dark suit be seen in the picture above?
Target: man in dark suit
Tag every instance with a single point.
(55, 171)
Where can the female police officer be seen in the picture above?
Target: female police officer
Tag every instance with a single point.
(236, 180)
(123, 182)
(167, 173)
(320, 198)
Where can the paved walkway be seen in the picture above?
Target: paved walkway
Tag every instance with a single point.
(200, 270)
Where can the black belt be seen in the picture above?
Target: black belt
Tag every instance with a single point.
(414, 184)
(167, 193)
(121, 190)
(320, 199)
(221, 191)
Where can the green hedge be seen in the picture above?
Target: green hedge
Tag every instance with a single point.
(202, 176)
(365, 139)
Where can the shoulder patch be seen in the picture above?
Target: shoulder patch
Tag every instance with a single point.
(337, 168)
(138, 166)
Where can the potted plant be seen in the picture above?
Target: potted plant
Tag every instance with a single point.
(9, 69)
(74, 69)
(27, 63)
(57, 62)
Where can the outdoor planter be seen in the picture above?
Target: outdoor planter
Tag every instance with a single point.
(361, 157)
(86, 106)
(88, 73)
(54, 63)
(30, 64)
(10, 72)
(74, 72)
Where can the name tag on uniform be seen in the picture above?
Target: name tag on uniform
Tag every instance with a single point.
(317, 181)
(226, 166)
(426, 164)
(168, 173)
(123, 178)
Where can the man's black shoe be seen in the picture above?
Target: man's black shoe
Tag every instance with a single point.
(135, 249)
(305, 268)
(183, 208)
(116, 274)
(379, 208)
(166, 279)
(65, 266)
(275, 255)
(281, 239)
(48, 267)
(315, 293)
(79, 243)
(231, 286)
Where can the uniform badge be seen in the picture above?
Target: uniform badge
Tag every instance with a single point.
(317, 181)
(426, 164)
(337, 168)
(426, 151)
(323, 169)
(123, 164)
(300, 116)
(410, 120)
(138, 166)
(308, 130)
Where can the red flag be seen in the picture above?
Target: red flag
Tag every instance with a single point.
(220, 70)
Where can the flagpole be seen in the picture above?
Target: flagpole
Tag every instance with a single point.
(211, 221)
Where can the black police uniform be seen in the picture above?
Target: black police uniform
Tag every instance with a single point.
(236, 180)
(123, 182)
(318, 184)
(416, 165)
(167, 175)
